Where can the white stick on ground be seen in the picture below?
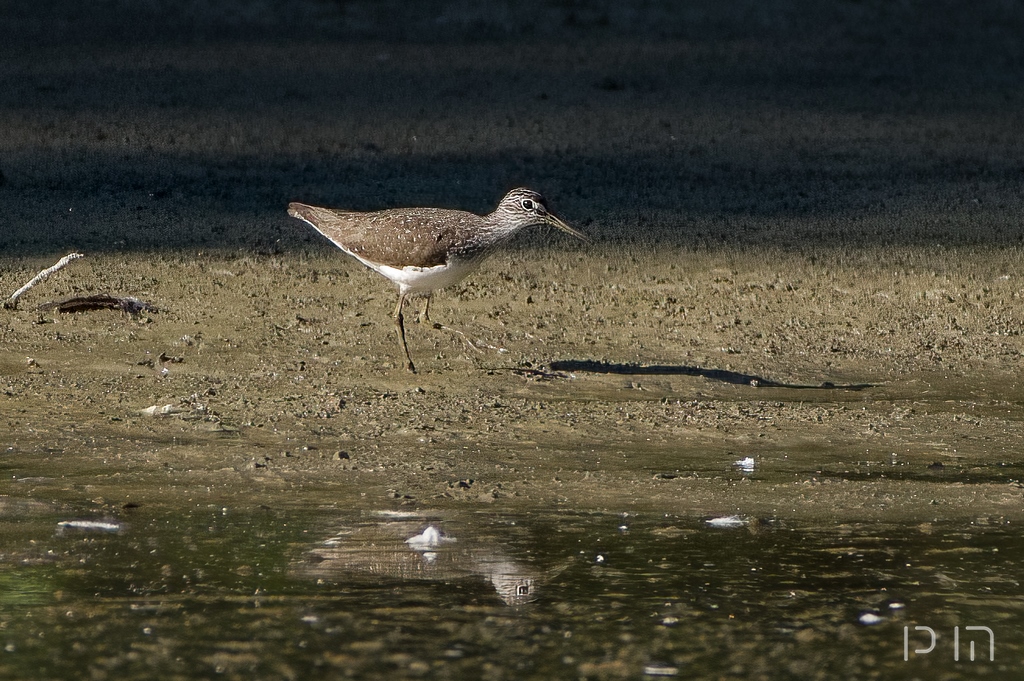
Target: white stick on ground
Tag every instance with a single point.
(12, 302)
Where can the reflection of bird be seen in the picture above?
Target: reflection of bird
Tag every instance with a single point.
(403, 550)
(424, 249)
(511, 581)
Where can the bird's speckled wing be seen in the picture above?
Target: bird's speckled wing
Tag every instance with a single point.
(419, 237)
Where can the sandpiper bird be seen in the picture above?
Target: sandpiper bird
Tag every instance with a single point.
(424, 249)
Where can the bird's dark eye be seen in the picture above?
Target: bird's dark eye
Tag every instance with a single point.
(528, 204)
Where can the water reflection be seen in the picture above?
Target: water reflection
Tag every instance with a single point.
(263, 593)
(410, 547)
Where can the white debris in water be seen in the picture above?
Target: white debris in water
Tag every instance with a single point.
(430, 538)
(90, 525)
(660, 670)
(897, 605)
(728, 521)
(869, 618)
(745, 464)
(398, 514)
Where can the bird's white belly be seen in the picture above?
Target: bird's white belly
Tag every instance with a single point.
(421, 279)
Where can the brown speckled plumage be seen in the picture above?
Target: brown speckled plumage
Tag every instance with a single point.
(420, 237)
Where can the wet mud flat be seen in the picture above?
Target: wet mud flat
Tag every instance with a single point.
(865, 390)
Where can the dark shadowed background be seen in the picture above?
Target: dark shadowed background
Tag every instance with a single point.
(169, 125)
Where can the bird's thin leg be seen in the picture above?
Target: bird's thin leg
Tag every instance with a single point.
(400, 323)
(425, 312)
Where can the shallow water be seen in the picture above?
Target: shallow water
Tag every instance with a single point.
(296, 591)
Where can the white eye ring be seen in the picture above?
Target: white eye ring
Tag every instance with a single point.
(528, 204)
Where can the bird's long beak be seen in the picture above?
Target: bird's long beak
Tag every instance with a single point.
(554, 221)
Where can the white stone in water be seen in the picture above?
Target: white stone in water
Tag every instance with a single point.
(90, 525)
(430, 538)
(728, 521)
(660, 670)
(745, 464)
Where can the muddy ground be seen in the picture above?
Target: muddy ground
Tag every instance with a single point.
(283, 373)
(808, 252)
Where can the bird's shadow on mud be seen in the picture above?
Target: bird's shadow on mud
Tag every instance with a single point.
(722, 375)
